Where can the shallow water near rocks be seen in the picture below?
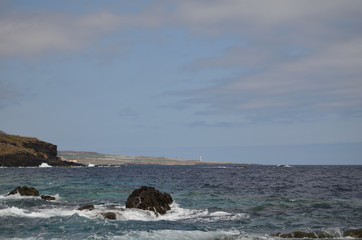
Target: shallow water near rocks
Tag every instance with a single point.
(210, 202)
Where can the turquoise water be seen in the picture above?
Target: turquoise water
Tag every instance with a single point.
(210, 202)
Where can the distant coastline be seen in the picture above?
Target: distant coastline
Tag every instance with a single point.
(110, 159)
(20, 151)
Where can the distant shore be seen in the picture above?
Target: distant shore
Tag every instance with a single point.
(109, 159)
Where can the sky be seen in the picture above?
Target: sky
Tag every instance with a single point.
(263, 82)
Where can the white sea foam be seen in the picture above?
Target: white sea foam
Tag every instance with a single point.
(195, 215)
(40, 213)
(125, 214)
(175, 214)
(17, 196)
(175, 234)
(44, 165)
(171, 235)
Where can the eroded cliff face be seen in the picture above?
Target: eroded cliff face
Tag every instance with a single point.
(18, 151)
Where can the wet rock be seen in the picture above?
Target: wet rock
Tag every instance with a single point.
(325, 235)
(47, 198)
(109, 215)
(25, 191)
(148, 198)
(300, 234)
(86, 207)
(355, 233)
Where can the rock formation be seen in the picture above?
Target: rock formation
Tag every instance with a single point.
(47, 198)
(109, 215)
(354, 233)
(30, 191)
(17, 151)
(25, 191)
(89, 207)
(148, 198)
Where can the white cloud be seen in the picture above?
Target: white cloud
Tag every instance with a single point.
(327, 81)
(327, 78)
(33, 34)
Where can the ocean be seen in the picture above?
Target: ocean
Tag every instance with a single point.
(210, 202)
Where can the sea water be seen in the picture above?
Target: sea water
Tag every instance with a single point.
(210, 202)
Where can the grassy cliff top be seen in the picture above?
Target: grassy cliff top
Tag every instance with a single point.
(11, 144)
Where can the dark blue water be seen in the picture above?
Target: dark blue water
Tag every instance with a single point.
(210, 202)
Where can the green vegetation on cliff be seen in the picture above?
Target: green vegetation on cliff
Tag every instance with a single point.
(18, 151)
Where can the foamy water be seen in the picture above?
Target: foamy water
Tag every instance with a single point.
(44, 165)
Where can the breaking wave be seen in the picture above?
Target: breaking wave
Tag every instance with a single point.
(125, 214)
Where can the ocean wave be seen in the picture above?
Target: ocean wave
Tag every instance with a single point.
(169, 234)
(126, 214)
(40, 213)
(175, 214)
(44, 165)
(177, 234)
(17, 196)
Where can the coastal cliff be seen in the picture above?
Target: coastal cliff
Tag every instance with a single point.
(18, 151)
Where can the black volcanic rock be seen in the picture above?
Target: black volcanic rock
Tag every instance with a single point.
(18, 151)
(86, 207)
(300, 234)
(148, 198)
(355, 233)
(25, 191)
(109, 215)
(47, 198)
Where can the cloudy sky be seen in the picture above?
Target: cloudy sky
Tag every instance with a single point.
(244, 81)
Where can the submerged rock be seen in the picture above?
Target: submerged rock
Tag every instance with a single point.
(109, 215)
(148, 198)
(355, 233)
(300, 234)
(86, 207)
(47, 198)
(25, 191)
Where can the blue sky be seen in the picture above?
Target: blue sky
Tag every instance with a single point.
(245, 81)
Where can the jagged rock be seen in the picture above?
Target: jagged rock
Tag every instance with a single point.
(109, 215)
(148, 198)
(86, 207)
(355, 233)
(25, 191)
(47, 198)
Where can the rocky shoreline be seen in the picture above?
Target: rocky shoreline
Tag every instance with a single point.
(145, 198)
